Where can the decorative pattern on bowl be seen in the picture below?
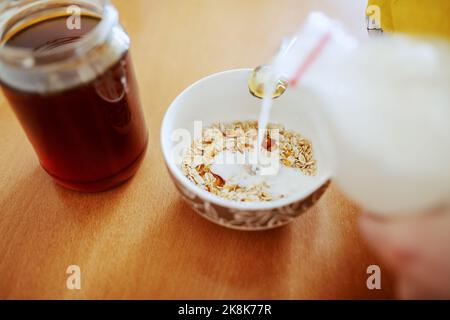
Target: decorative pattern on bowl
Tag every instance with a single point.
(249, 220)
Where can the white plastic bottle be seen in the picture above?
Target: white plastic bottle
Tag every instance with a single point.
(386, 112)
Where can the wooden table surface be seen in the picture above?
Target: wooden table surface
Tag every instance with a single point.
(140, 240)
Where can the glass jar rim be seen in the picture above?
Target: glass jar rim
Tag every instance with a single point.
(27, 57)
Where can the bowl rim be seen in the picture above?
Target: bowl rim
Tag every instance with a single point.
(203, 194)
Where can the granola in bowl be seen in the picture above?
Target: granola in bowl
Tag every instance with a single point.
(220, 162)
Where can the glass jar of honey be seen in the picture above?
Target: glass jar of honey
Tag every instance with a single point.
(66, 71)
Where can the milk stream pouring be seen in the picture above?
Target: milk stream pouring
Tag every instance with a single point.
(384, 112)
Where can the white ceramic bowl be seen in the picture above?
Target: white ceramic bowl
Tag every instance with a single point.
(225, 97)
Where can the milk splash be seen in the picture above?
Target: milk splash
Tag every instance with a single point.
(295, 57)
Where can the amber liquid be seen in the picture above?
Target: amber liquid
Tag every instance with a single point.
(90, 137)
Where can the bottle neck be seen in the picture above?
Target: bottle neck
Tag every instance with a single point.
(63, 66)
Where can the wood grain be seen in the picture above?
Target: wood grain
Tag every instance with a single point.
(140, 240)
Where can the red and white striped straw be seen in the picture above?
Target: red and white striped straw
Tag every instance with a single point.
(310, 59)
